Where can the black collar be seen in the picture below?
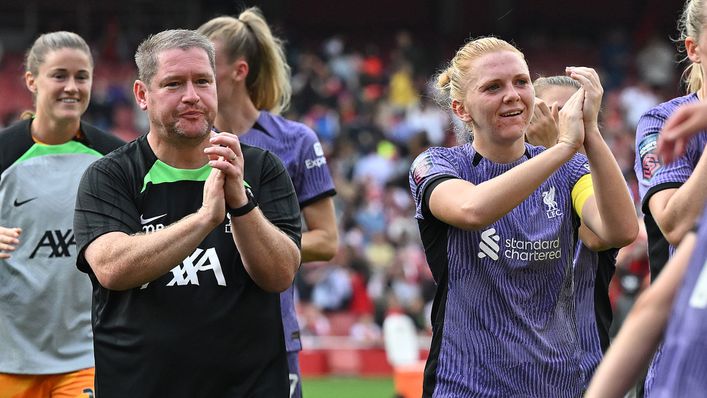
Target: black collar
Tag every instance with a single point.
(477, 157)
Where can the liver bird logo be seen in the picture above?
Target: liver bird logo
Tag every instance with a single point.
(549, 200)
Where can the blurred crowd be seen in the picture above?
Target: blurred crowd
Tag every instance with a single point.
(374, 110)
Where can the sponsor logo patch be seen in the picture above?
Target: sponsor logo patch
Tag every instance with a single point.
(420, 168)
(489, 244)
(19, 203)
(144, 220)
(493, 247)
(650, 163)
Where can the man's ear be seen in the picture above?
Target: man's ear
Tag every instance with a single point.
(460, 111)
(140, 92)
(693, 50)
(30, 82)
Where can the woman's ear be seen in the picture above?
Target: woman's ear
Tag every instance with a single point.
(693, 50)
(460, 111)
(240, 70)
(30, 82)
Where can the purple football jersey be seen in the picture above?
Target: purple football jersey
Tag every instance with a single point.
(504, 315)
(654, 176)
(592, 274)
(650, 171)
(683, 365)
(299, 149)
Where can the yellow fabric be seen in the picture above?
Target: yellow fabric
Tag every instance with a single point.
(582, 190)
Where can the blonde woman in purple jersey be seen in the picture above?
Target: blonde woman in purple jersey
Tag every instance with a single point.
(253, 83)
(498, 219)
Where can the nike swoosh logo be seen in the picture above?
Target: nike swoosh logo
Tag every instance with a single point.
(20, 203)
(144, 221)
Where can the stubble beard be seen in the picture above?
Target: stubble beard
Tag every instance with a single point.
(177, 132)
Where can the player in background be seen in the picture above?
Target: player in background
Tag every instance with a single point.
(45, 303)
(253, 83)
(673, 308)
(594, 261)
(672, 195)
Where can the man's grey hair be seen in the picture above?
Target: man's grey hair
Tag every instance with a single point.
(148, 51)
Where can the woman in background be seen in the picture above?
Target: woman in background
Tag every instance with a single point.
(45, 301)
(253, 83)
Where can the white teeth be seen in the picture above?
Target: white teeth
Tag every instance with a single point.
(516, 113)
(70, 100)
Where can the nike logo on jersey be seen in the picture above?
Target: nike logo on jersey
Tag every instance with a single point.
(19, 203)
(144, 221)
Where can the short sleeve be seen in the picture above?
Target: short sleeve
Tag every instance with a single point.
(652, 174)
(312, 180)
(103, 204)
(277, 198)
(578, 167)
(428, 167)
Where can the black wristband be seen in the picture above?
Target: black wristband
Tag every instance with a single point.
(246, 208)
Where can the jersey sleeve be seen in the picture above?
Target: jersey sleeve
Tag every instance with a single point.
(429, 167)
(277, 199)
(103, 204)
(312, 180)
(578, 167)
(652, 174)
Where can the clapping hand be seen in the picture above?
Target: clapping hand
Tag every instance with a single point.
(543, 130)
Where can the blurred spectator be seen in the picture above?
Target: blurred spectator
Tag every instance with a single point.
(656, 63)
(430, 119)
(614, 58)
(637, 98)
(365, 331)
(123, 116)
(312, 322)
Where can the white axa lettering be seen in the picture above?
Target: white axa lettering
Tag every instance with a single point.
(186, 272)
(318, 162)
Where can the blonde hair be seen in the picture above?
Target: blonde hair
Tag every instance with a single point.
(250, 37)
(690, 24)
(451, 82)
(542, 83)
